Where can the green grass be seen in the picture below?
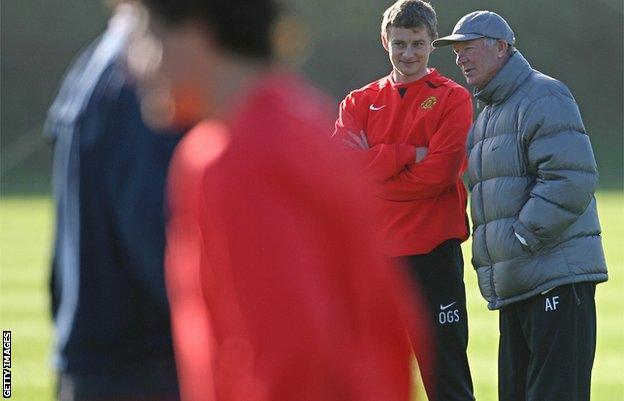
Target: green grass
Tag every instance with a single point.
(25, 235)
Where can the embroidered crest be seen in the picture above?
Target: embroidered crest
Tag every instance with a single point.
(429, 102)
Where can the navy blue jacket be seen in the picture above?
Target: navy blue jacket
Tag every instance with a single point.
(108, 293)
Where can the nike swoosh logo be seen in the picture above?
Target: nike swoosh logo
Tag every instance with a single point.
(373, 108)
(445, 307)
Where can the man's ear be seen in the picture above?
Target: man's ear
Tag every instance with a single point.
(384, 41)
(502, 47)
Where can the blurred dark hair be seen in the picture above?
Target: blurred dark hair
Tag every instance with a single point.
(410, 14)
(243, 27)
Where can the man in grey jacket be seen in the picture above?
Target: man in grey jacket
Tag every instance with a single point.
(536, 237)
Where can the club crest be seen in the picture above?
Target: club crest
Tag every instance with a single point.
(429, 102)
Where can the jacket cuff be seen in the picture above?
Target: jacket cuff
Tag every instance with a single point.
(533, 243)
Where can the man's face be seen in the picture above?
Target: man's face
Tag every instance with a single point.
(479, 61)
(409, 50)
(177, 89)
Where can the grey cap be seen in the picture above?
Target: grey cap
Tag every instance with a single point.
(478, 24)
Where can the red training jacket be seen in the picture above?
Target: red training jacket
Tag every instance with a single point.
(276, 292)
(420, 204)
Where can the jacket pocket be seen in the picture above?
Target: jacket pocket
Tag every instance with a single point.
(525, 273)
(513, 277)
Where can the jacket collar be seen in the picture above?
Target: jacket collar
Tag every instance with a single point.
(506, 81)
(433, 77)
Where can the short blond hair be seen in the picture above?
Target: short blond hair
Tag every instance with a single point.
(410, 14)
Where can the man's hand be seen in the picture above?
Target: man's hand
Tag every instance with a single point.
(421, 153)
(357, 142)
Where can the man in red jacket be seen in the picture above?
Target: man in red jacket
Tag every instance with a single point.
(275, 289)
(410, 129)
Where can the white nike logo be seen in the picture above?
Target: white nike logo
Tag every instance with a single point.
(445, 307)
(372, 107)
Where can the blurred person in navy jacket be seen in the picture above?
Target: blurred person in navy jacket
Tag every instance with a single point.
(111, 315)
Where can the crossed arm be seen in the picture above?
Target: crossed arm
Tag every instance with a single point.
(403, 172)
(384, 161)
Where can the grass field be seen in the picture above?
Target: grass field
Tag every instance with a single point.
(25, 233)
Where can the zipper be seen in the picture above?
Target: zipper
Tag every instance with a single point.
(522, 157)
(488, 114)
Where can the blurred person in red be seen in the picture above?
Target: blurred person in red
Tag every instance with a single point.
(409, 131)
(275, 287)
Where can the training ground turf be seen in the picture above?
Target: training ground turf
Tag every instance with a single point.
(25, 233)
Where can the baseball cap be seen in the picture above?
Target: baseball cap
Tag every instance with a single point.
(478, 24)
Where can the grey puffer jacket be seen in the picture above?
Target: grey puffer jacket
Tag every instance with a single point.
(531, 170)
